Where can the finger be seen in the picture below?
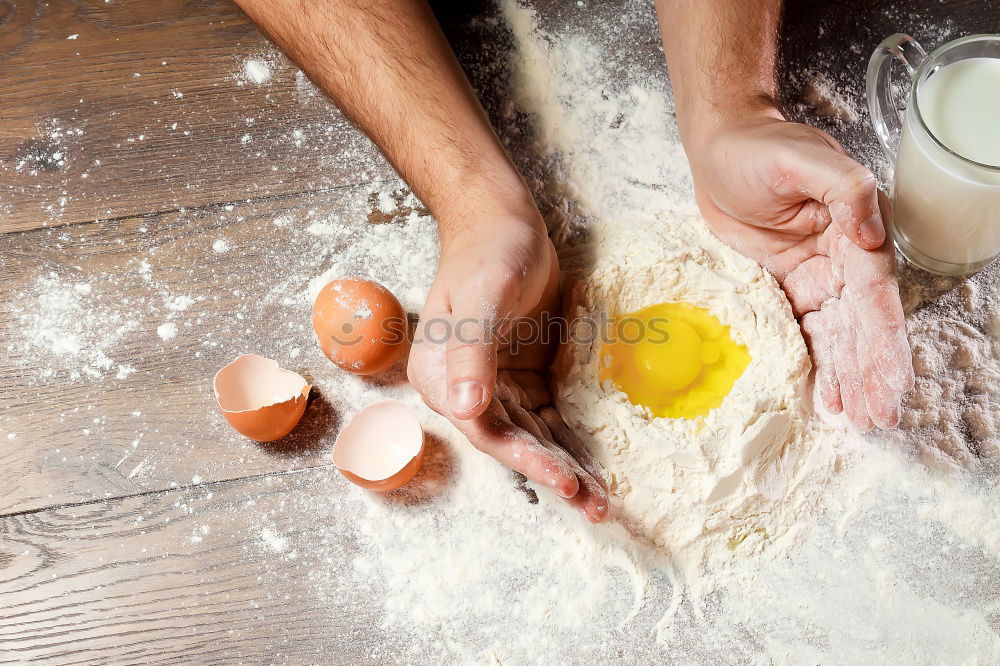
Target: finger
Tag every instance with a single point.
(848, 189)
(546, 433)
(592, 499)
(852, 393)
(567, 439)
(536, 392)
(884, 328)
(881, 401)
(524, 419)
(471, 367)
(508, 390)
(884, 403)
(872, 281)
(816, 329)
(494, 434)
(425, 367)
(477, 307)
(802, 218)
(810, 284)
(894, 357)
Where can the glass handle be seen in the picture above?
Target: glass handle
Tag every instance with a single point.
(886, 118)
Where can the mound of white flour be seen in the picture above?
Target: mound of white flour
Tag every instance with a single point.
(700, 489)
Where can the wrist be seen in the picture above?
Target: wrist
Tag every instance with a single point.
(487, 205)
(701, 122)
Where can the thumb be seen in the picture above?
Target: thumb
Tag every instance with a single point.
(848, 189)
(471, 352)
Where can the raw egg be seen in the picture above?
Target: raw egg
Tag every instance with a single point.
(259, 399)
(381, 448)
(360, 325)
(676, 359)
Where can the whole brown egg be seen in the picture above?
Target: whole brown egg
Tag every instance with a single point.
(360, 325)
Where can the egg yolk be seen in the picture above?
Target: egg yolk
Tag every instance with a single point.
(676, 359)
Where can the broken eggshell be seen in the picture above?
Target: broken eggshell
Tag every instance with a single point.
(381, 448)
(259, 398)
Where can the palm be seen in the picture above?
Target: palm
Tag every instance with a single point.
(846, 297)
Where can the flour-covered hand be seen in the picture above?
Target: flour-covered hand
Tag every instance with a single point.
(788, 196)
(488, 277)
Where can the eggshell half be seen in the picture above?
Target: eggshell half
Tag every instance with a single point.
(260, 399)
(381, 448)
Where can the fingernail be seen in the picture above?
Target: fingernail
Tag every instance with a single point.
(872, 230)
(466, 396)
(564, 488)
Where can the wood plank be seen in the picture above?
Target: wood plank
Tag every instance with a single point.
(113, 109)
(95, 403)
(184, 577)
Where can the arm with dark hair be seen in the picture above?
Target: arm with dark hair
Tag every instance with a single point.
(390, 69)
(722, 57)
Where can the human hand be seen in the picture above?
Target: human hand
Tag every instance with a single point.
(489, 276)
(788, 196)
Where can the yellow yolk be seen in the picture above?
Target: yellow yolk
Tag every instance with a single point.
(674, 358)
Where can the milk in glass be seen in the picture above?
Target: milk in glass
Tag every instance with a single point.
(946, 194)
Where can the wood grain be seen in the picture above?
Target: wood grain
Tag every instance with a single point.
(80, 305)
(98, 563)
(187, 577)
(115, 109)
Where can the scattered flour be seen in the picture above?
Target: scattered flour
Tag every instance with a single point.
(305, 91)
(179, 303)
(220, 246)
(273, 540)
(167, 331)
(257, 71)
(377, 253)
(69, 330)
(825, 99)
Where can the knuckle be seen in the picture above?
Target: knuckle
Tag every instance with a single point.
(859, 181)
(466, 352)
(498, 280)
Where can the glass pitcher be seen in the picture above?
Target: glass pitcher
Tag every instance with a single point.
(946, 206)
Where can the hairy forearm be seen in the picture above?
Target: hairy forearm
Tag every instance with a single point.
(722, 56)
(388, 66)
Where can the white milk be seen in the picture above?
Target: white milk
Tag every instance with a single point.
(946, 208)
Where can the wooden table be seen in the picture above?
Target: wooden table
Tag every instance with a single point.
(141, 168)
